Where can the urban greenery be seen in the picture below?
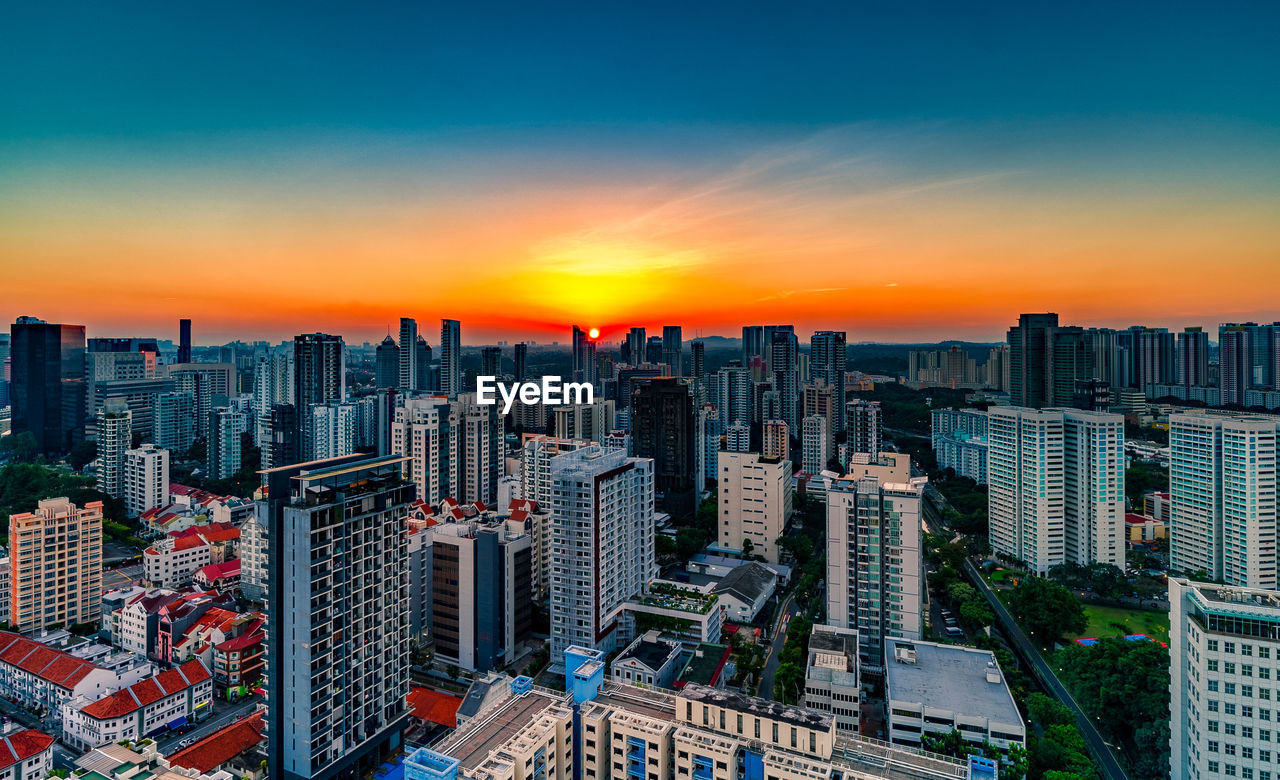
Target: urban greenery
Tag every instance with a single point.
(1046, 610)
(788, 680)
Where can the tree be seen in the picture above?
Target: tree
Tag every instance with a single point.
(82, 454)
(1046, 610)
(977, 614)
(19, 447)
(800, 546)
(1045, 711)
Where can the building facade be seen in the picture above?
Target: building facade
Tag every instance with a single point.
(56, 556)
(754, 500)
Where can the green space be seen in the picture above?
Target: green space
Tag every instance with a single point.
(1107, 622)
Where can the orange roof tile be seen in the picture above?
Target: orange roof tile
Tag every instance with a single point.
(434, 706)
(22, 745)
(148, 691)
(54, 666)
(221, 746)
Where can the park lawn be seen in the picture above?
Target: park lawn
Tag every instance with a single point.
(1136, 621)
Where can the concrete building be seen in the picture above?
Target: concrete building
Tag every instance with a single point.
(115, 437)
(662, 429)
(331, 429)
(1222, 497)
(481, 587)
(172, 562)
(775, 440)
(253, 559)
(175, 422)
(959, 438)
(450, 357)
(745, 591)
(813, 445)
(225, 453)
(171, 698)
(337, 604)
(651, 660)
(1056, 486)
(932, 689)
(864, 421)
(426, 431)
(831, 681)
(754, 500)
(591, 422)
(608, 730)
(602, 549)
(146, 479)
(56, 557)
(737, 437)
(1224, 656)
(27, 754)
(46, 383)
(731, 392)
(41, 677)
(874, 566)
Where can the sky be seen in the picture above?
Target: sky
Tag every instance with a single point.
(910, 173)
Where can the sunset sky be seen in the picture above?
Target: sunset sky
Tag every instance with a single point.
(901, 175)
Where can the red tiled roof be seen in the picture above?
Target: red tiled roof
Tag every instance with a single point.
(434, 706)
(221, 746)
(216, 571)
(148, 691)
(188, 543)
(523, 505)
(22, 745)
(253, 635)
(1133, 519)
(54, 666)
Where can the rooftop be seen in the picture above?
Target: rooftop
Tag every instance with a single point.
(748, 582)
(764, 708)
(471, 745)
(653, 653)
(221, 746)
(149, 691)
(949, 677)
(434, 706)
(54, 666)
(21, 745)
(704, 665)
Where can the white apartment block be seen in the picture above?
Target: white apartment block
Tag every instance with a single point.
(831, 682)
(55, 554)
(737, 437)
(115, 436)
(602, 549)
(932, 689)
(426, 431)
(813, 444)
(178, 694)
(874, 565)
(253, 559)
(25, 754)
(146, 479)
(1224, 681)
(754, 500)
(1222, 497)
(959, 438)
(172, 562)
(273, 383)
(333, 429)
(536, 453)
(1056, 486)
(43, 677)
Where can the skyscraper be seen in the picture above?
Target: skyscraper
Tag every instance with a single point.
(731, 393)
(1222, 493)
(56, 558)
(673, 349)
(184, 341)
(752, 343)
(115, 437)
(784, 363)
(775, 439)
(491, 361)
(755, 498)
(426, 432)
(636, 345)
(814, 451)
(338, 616)
(584, 357)
(662, 428)
(1193, 358)
(827, 356)
(450, 357)
(481, 450)
(225, 455)
(698, 361)
(1070, 361)
(331, 429)
(47, 383)
(521, 360)
(273, 377)
(602, 549)
(1056, 486)
(408, 354)
(422, 364)
(174, 421)
(146, 479)
(319, 365)
(873, 576)
(865, 425)
(1030, 357)
(1235, 365)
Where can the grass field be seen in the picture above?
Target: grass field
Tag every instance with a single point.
(1153, 624)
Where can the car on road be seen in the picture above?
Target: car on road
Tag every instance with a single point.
(954, 631)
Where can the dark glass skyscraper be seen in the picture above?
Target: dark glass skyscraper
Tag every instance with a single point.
(184, 341)
(1030, 350)
(47, 383)
(450, 357)
(387, 364)
(662, 429)
(521, 361)
(673, 349)
(827, 361)
(319, 366)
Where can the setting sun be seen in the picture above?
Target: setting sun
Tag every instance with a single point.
(594, 333)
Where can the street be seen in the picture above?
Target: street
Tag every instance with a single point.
(223, 715)
(790, 609)
(122, 577)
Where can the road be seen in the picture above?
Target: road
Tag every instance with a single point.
(790, 609)
(1048, 680)
(122, 577)
(224, 714)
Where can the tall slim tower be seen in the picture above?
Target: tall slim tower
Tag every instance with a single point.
(864, 426)
(491, 361)
(636, 346)
(784, 362)
(827, 362)
(408, 354)
(387, 364)
(673, 349)
(115, 438)
(450, 357)
(521, 360)
(753, 345)
(337, 616)
(1193, 358)
(698, 360)
(184, 341)
(319, 366)
(56, 565)
(1235, 366)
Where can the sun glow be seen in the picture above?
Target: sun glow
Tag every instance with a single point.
(594, 333)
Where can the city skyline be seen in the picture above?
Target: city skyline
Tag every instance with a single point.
(336, 175)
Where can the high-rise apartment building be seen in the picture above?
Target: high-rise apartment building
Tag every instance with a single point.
(491, 361)
(426, 432)
(481, 451)
(602, 549)
(46, 383)
(56, 565)
(1193, 358)
(1224, 656)
(874, 566)
(827, 362)
(662, 429)
(698, 361)
(273, 377)
(1222, 493)
(819, 400)
(319, 364)
(481, 587)
(146, 479)
(737, 437)
(1055, 481)
(450, 357)
(959, 439)
(865, 424)
(115, 437)
(673, 349)
(331, 428)
(1235, 361)
(408, 353)
(784, 362)
(337, 605)
(536, 454)
(775, 439)
(520, 360)
(174, 421)
(386, 362)
(225, 454)
(1030, 360)
(755, 499)
(592, 422)
(731, 392)
(814, 452)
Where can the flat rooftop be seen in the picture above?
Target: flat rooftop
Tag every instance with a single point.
(949, 677)
(764, 708)
(472, 744)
